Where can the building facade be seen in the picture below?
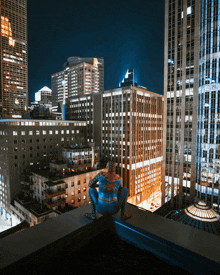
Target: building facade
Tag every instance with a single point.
(192, 109)
(13, 65)
(55, 190)
(80, 159)
(132, 137)
(180, 101)
(44, 97)
(25, 144)
(80, 78)
(208, 125)
(87, 108)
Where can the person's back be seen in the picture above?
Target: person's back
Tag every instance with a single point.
(111, 196)
(109, 184)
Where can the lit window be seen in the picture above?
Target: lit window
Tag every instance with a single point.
(15, 133)
(44, 132)
(30, 132)
(84, 197)
(22, 133)
(56, 132)
(37, 132)
(62, 139)
(50, 132)
(72, 131)
(77, 131)
(62, 131)
(67, 131)
(189, 10)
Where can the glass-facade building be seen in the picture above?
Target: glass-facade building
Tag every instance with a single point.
(192, 101)
(13, 58)
(208, 133)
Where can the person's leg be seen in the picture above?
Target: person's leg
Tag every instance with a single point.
(93, 197)
(122, 199)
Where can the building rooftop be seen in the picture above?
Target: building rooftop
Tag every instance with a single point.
(200, 216)
(65, 122)
(73, 243)
(140, 88)
(45, 88)
(33, 205)
(59, 175)
(52, 183)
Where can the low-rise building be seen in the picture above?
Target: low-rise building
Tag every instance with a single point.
(25, 144)
(80, 159)
(56, 188)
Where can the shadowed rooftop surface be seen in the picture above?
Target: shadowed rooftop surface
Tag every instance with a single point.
(71, 243)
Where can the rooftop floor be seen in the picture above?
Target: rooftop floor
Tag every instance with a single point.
(58, 241)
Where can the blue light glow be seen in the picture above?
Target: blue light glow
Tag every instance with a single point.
(125, 75)
(63, 111)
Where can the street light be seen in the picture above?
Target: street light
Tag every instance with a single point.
(63, 112)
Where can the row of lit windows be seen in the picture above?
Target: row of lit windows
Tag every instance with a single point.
(44, 132)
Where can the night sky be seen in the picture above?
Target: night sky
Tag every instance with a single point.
(127, 34)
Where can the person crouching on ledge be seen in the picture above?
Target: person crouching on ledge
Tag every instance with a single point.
(111, 196)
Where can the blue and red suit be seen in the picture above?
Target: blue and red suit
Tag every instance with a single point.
(111, 195)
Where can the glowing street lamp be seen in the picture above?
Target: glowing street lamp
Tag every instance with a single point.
(63, 84)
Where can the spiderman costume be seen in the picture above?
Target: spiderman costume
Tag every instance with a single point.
(111, 196)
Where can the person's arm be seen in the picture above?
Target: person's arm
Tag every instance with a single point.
(92, 182)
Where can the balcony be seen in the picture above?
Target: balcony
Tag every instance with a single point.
(49, 194)
(50, 204)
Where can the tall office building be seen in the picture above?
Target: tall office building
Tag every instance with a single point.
(13, 58)
(191, 95)
(86, 108)
(180, 100)
(81, 75)
(208, 126)
(129, 79)
(132, 137)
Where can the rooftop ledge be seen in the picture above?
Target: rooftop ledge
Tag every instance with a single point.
(177, 244)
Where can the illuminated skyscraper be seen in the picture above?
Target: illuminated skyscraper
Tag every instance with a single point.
(208, 126)
(180, 100)
(132, 137)
(82, 76)
(192, 102)
(13, 58)
(128, 79)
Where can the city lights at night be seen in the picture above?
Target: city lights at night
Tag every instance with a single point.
(110, 136)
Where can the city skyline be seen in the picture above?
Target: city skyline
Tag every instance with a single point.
(104, 30)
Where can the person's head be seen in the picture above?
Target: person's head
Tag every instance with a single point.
(111, 165)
